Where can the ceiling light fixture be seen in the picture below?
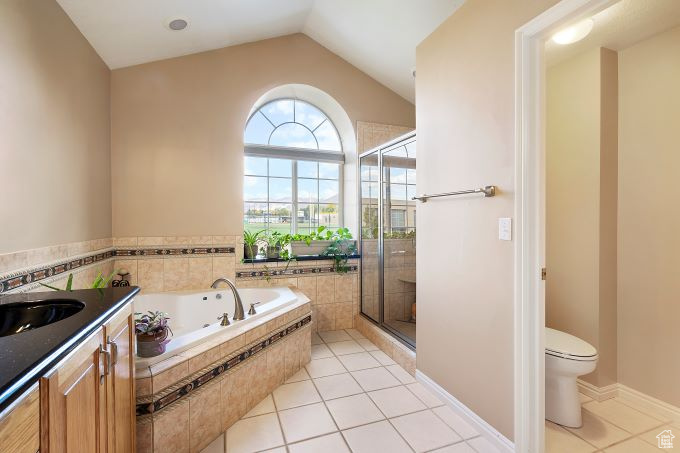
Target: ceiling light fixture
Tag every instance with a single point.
(177, 24)
(574, 33)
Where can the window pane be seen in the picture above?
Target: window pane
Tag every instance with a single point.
(280, 167)
(254, 216)
(308, 217)
(279, 112)
(308, 115)
(398, 193)
(255, 166)
(411, 176)
(294, 136)
(258, 130)
(328, 191)
(280, 189)
(308, 190)
(254, 188)
(307, 169)
(329, 171)
(410, 192)
(328, 137)
(329, 215)
(280, 217)
(411, 150)
(398, 175)
(369, 191)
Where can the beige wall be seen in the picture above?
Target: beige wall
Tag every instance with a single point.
(581, 174)
(177, 129)
(649, 217)
(54, 130)
(465, 111)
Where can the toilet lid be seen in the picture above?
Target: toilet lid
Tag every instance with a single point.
(563, 344)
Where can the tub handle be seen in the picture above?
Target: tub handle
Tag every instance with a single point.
(224, 318)
(252, 308)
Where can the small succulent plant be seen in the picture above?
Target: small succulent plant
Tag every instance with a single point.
(151, 323)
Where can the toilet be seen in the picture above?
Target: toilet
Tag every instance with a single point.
(566, 358)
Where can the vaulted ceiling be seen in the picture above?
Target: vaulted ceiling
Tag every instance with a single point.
(377, 36)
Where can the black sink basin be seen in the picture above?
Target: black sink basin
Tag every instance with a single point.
(23, 316)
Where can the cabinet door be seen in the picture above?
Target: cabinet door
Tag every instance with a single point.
(119, 333)
(71, 398)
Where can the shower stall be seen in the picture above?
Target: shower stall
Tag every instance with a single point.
(388, 236)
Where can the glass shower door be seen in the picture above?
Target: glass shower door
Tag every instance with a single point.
(370, 259)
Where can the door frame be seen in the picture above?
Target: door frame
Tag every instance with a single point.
(529, 290)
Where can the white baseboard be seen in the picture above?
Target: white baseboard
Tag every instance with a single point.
(598, 393)
(644, 401)
(489, 432)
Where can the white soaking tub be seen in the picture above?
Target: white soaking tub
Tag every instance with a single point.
(193, 314)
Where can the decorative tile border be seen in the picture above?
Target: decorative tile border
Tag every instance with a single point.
(278, 272)
(18, 279)
(155, 406)
(21, 279)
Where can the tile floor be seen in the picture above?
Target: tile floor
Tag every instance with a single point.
(611, 426)
(350, 398)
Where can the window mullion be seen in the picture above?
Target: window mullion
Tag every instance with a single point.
(294, 204)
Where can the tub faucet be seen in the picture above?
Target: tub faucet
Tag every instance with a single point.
(238, 310)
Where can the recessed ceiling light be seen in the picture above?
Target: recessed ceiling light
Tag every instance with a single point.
(573, 33)
(177, 24)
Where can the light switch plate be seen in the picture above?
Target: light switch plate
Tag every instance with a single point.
(505, 229)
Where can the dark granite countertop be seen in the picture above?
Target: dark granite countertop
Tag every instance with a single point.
(26, 356)
(297, 258)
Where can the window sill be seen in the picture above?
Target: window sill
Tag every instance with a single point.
(297, 258)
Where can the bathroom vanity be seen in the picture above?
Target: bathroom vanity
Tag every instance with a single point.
(67, 380)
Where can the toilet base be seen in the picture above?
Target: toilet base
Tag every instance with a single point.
(562, 402)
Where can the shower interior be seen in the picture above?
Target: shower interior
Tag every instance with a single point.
(388, 236)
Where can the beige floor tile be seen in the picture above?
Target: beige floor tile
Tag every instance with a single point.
(216, 446)
(383, 358)
(559, 440)
(295, 394)
(424, 431)
(316, 339)
(427, 397)
(598, 432)
(337, 386)
(396, 401)
(376, 437)
(460, 447)
(299, 376)
(623, 416)
(276, 450)
(353, 411)
(367, 345)
(306, 422)
(354, 333)
(650, 436)
(254, 434)
(401, 374)
(634, 445)
(266, 406)
(584, 398)
(359, 361)
(660, 415)
(325, 367)
(345, 347)
(455, 422)
(320, 351)
(375, 379)
(331, 336)
(332, 443)
(482, 445)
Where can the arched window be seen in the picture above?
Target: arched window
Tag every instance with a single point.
(293, 169)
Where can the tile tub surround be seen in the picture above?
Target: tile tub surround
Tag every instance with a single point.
(344, 403)
(393, 350)
(615, 425)
(335, 297)
(195, 396)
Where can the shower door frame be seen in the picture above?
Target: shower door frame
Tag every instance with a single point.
(380, 150)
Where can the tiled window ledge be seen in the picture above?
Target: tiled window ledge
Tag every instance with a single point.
(297, 258)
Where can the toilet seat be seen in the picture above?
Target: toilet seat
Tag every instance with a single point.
(561, 344)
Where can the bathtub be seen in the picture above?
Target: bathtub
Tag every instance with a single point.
(193, 314)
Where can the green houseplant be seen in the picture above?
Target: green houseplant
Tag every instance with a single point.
(250, 240)
(151, 330)
(98, 283)
(340, 249)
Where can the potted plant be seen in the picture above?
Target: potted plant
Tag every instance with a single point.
(250, 243)
(273, 249)
(100, 282)
(152, 331)
(318, 241)
(340, 249)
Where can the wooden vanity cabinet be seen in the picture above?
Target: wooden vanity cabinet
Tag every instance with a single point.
(87, 400)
